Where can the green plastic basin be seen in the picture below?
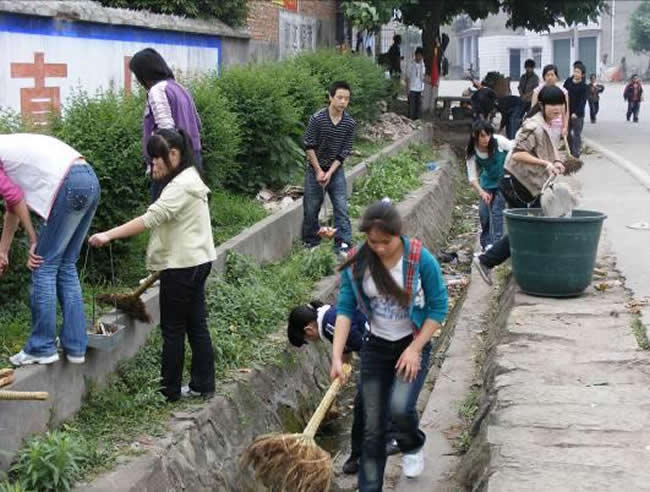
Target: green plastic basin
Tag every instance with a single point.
(553, 256)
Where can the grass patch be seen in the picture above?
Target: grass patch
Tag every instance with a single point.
(467, 410)
(245, 305)
(640, 333)
(391, 177)
(231, 213)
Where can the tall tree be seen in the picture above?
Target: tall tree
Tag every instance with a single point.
(536, 15)
(639, 40)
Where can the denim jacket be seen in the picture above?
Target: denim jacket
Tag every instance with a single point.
(428, 298)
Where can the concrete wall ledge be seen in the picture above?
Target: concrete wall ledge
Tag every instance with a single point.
(202, 449)
(269, 240)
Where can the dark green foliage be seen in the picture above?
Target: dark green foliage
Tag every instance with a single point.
(366, 79)
(639, 41)
(107, 130)
(232, 12)
(270, 126)
(220, 132)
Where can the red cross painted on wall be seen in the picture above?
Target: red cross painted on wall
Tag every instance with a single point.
(39, 101)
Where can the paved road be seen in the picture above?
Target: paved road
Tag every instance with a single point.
(612, 190)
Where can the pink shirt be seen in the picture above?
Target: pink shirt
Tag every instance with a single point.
(11, 192)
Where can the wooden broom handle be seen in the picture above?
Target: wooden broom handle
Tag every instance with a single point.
(568, 149)
(23, 395)
(325, 404)
(148, 282)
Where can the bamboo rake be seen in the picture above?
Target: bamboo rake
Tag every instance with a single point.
(6, 378)
(572, 164)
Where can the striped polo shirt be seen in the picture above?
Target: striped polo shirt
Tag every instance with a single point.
(330, 142)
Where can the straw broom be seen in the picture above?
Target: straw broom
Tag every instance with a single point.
(572, 164)
(6, 378)
(294, 462)
(131, 304)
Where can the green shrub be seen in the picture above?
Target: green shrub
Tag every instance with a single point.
(220, 132)
(232, 12)
(107, 129)
(303, 87)
(270, 126)
(366, 79)
(50, 462)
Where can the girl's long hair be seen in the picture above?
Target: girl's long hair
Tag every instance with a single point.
(149, 67)
(549, 95)
(478, 127)
(162, 141)
(383, 216)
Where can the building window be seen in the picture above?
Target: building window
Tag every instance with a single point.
(537, 56)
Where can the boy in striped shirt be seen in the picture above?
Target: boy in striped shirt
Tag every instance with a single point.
(328, 141)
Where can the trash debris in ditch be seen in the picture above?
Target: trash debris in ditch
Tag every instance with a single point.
(610, 284)
(639, 226)
(273, 201)
(389, 126)
(636, 305)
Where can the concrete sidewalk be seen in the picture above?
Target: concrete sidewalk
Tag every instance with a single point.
(570, 396)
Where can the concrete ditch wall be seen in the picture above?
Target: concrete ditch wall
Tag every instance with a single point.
(268, 240)
(203, 447)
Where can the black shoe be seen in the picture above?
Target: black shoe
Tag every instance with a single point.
(636, 120)
(351, 465)
(392, 448)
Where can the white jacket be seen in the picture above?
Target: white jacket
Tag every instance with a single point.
(181, 232)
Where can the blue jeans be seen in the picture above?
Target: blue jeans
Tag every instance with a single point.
(60, 240)
(312, 202)
(384, 393)
(491, 217)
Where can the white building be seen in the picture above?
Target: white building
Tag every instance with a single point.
(488, 45)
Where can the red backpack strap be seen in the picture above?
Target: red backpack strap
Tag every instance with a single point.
(413, 262)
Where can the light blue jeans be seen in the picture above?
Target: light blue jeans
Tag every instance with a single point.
(60, 240)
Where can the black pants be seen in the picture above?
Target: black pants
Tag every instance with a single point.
(356, 435)
(633, 109)
(182, 310)
(517, 196)
(593, 110)
(415, 105)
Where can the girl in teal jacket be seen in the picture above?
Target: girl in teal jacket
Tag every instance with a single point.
(399, 286)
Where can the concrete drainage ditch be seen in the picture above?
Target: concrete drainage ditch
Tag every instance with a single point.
(202, 448)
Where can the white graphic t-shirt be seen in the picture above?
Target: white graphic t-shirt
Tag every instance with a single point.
(388, 320)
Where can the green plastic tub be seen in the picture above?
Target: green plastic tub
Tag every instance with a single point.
(553, 256)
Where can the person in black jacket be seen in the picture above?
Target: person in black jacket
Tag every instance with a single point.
(314, 322)
(578, 92)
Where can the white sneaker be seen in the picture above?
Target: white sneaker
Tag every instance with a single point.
(23, 359)
(76, 359)
(413, 463)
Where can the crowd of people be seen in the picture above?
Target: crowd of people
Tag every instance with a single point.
(392, 296)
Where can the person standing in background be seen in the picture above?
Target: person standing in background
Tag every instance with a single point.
(594, 96)
(578, 91)
(415, 84)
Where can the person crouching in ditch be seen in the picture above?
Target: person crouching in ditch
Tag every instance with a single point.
(315, 321)
(181, 248)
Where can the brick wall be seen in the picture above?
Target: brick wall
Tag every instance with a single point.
(321, 9)
(263, 16)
